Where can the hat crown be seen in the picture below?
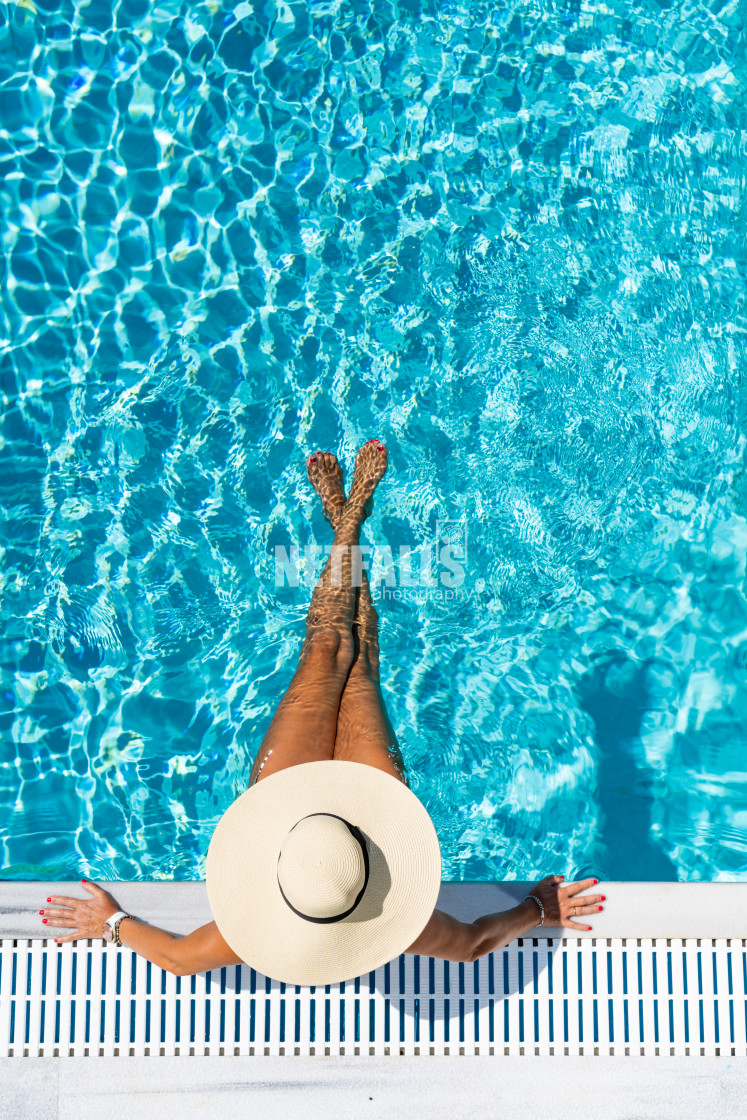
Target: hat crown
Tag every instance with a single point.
(321, 869)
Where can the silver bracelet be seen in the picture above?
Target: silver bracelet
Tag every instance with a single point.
(542, 909)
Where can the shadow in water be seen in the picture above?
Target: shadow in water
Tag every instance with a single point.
(615, 695)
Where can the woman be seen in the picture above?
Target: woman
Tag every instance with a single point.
(324, 872)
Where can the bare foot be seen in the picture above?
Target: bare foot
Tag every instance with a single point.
(370, 464)
(325, 475)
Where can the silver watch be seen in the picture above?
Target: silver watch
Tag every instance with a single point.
(111, 927)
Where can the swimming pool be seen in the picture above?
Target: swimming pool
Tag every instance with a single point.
(507, 242)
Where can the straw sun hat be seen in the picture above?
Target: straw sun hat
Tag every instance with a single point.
(323, 871)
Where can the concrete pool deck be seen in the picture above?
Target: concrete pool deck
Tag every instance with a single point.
(345, 1088)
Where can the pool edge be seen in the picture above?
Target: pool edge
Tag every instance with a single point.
(631, 910)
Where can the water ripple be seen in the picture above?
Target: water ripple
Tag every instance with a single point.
(510, 243)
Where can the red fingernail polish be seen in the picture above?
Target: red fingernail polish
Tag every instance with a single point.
(41, 911)
(49, 900)
(596, 880)
(44, 920)
(604, 898)
(588, 927)
(56, 942)
(84, 880)
(601, 908)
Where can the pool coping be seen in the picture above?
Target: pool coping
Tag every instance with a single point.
(631, 909)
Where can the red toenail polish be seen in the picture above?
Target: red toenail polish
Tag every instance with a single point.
(381, 449)
(84, 880)
(312, 459)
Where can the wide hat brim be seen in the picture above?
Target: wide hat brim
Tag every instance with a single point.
(404, 876)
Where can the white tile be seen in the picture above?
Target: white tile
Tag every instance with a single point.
(28, 1088)
(428, 1088)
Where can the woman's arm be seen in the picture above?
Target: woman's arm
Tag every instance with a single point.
(200, 951)
(197, 952)
(449, 939)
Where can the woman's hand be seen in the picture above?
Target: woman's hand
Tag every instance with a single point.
(85, 915)
(562, 901)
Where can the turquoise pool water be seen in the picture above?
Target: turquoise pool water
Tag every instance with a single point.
(510, 241)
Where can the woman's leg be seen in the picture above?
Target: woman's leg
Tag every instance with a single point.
(304, 726)
(364, 731)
